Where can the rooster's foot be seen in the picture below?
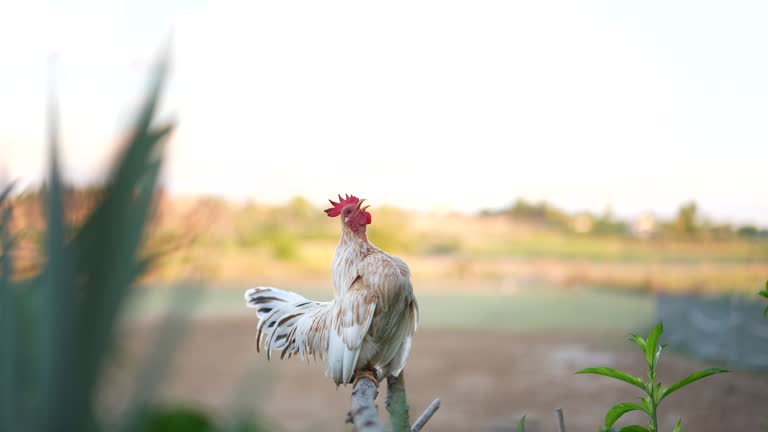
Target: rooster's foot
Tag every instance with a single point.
(365, 373)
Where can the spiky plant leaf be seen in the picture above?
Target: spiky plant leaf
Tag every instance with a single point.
(618, 410)
(651, 345)
(613, 373)
(646, 401)
(117, 225)
(9, 395)
(521, 424)
(634, 428)
(677, 426)
(66, 399)
(691, 378)
(56, 328)
(6, 192)
(639, 341)
(657, 393)
(87, 276)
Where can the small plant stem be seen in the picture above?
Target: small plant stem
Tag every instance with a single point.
(397, 404)
(560, 420)
(424, 418)
(652, 395)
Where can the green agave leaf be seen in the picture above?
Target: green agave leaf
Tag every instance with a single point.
(691, 378)
(87, 277)
(634, 428)
(619, 410)
(6, 191)
(651, 345)
(67, 400)
(613, 373)
(521, 424)
(677, 426)
(117, 226)
(9, 393)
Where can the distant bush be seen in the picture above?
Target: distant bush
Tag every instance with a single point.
(443, 246)
(186, 419)
(540, 213)
(283, 244)
(686, 222)
(390, 231)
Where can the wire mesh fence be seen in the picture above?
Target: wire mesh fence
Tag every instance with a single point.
(729, 329)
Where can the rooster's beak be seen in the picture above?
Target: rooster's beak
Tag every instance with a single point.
(361, 203)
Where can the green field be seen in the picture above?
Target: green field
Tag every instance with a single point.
(542, 310)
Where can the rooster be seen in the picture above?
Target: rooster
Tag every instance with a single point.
(366, 330)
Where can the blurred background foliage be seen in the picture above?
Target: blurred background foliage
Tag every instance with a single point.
(242, 241)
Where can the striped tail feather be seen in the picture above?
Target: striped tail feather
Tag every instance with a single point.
(288, 322)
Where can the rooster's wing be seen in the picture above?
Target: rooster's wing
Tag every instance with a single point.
(350, 320)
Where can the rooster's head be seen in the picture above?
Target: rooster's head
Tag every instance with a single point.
(352, 212)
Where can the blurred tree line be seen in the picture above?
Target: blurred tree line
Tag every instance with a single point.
(688, 223)
(220, 239)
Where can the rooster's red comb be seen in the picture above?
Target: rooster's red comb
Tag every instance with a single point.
(338, 206)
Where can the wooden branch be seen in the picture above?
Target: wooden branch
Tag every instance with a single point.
(397, 404)
(364, 415)
(363, 411)
(428, 413)
(560, 420)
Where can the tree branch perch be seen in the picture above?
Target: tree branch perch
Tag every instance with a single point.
(364, 415)
(363, 411)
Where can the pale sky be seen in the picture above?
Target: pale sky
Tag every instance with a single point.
(423, 104)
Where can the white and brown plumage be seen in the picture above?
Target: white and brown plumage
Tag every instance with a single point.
(367, 327)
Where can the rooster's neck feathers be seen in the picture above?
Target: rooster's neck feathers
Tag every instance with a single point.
(350, 251)
(358, 239)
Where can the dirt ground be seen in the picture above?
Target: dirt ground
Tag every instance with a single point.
(485, 380)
